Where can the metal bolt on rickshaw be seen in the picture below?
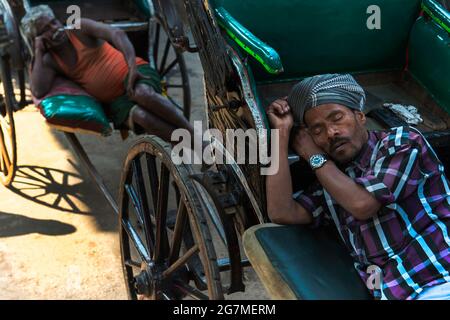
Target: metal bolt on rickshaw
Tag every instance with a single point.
(173, 218)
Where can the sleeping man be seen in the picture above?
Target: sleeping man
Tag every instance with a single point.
(102, 60)
(386, 192)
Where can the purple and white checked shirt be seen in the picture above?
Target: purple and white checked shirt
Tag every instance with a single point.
(408, 239)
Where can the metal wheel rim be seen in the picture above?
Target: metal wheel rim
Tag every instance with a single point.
(7, 133)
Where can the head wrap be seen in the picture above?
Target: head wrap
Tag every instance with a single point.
(314, 91)
(28, 22)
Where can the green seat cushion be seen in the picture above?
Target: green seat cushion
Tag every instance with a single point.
(314, 37)
(75, 113)
(313, 262)
(429, 55)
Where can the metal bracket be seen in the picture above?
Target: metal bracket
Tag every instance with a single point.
(174, 25)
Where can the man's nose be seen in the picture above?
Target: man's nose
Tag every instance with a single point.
(332, 132)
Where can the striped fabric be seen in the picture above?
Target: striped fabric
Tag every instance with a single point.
(325, 89)
(408, 240)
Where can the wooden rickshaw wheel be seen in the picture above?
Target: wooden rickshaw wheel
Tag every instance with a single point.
(166, 247)
(8, 147)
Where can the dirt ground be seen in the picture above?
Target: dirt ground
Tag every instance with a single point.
(58, 236)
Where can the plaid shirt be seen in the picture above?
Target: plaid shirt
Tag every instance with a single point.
(408, 240)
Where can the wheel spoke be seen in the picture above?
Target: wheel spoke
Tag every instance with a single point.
(169, 67)
(161, 214)
(178, 232)
(135, 198)
(156, 44)
(153, 176)
(164, 58)
(136, 204)
(191, 291)
(181, 261)
(143, 201)
(133, 264)
(136, 240)
(175, 103)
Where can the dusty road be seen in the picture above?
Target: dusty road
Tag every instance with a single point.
(58, 236)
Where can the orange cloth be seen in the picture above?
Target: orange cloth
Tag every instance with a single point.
(100, 71)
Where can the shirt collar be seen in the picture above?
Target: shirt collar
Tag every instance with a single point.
(362, 160)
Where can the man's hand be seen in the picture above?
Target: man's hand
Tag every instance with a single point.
(42, 73)
(133, 76)
(304, 145)
(279, 115)
(39, 45)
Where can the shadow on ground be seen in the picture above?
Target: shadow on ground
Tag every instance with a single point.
(16, 225)
(54, 188)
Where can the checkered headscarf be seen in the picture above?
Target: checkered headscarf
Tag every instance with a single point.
(323, 89)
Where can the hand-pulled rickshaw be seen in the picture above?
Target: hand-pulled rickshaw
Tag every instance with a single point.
(172, 217)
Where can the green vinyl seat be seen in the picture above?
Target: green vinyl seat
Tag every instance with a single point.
(75, 113)
(313, 37)
(67, 107)
(298, 262)
(290, 40)
(429, 52)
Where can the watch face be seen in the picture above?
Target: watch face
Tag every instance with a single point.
(317, 160)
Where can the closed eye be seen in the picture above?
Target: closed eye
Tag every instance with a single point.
(316, 130)
(338, 117)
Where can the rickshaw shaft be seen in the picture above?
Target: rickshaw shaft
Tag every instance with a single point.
(78, 148)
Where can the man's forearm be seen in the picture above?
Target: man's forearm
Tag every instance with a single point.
(351, 196)
(39, 85)
(281, 207)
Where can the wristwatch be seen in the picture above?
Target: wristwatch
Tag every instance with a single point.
(316, 161)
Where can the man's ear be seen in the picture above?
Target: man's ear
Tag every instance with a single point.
(361, 117)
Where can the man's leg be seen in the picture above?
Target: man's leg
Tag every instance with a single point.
(152, 124)
(146, 97)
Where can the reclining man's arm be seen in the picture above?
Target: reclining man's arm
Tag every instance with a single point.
(115, 36)
(119, 39)
(42, 73)
(281, 207)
